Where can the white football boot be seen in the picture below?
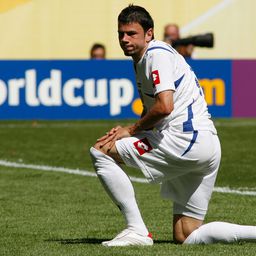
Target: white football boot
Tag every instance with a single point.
(128, 238)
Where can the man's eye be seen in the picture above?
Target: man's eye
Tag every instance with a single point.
(131, 33)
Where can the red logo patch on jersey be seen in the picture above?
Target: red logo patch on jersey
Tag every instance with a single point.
(155, 77)
(143, 146)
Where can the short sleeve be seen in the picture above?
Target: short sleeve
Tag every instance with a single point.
(162, 70)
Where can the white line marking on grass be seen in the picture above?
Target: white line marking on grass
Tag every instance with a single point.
(234, 191)
(205, 16)
(58, 169)
(91, 174)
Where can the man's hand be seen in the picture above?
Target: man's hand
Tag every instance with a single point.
(111, 132)
(113, 135)
(162, 107)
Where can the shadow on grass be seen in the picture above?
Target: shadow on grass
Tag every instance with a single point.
(96, 241)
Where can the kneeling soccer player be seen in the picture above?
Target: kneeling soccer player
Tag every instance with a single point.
(174, 142)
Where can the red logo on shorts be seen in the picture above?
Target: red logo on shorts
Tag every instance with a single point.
(155, 77)
(143, 146)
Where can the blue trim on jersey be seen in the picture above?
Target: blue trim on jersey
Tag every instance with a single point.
(198, 85)
(188, 126)
(169, 46)
(177, 82)
(159, 47)
(195, 133)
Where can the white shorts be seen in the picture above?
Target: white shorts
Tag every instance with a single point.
(186, 164)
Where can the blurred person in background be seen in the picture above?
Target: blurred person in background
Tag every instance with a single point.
(171, 34)
(98, 52)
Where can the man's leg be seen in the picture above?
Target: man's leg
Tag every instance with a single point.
(183, 226)
(188, 230)
(120, 189)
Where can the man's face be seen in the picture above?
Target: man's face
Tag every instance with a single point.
(171, 33)
(133, 40)
(98, 54)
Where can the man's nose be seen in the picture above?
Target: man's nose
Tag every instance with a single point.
(125, 38)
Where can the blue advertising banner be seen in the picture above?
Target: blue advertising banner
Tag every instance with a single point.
(215, 77)
(66, 89)
(93, 89)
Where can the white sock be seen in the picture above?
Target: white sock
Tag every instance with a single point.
(221, 232)
(120, 189)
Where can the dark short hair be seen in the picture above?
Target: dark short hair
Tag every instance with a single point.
(138, 14)
(96, 46)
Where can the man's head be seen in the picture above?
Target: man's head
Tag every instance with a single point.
(136, 14)
(171, 33)
(98, 52)
(135, 30)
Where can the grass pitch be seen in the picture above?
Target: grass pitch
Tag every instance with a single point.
(47, 213)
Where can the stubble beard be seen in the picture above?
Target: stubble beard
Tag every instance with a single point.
(129, 53)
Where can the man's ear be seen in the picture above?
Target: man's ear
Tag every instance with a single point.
(149, 35)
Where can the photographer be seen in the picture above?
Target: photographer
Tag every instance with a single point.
(171, 34)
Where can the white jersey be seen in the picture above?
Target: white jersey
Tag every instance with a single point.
(161, 68)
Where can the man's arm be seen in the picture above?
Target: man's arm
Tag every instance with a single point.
(162, 107)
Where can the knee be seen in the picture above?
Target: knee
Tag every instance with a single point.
(99, 159)
(97, 152)
(180, 236)
(183, 227)
(92, 149)
(93, 153)
(103, 149)
(96, 146)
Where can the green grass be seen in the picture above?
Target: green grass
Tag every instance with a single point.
(46, 213)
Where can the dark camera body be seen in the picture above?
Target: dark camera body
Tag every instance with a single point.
(204, 40)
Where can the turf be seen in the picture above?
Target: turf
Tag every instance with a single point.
(46, 213)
